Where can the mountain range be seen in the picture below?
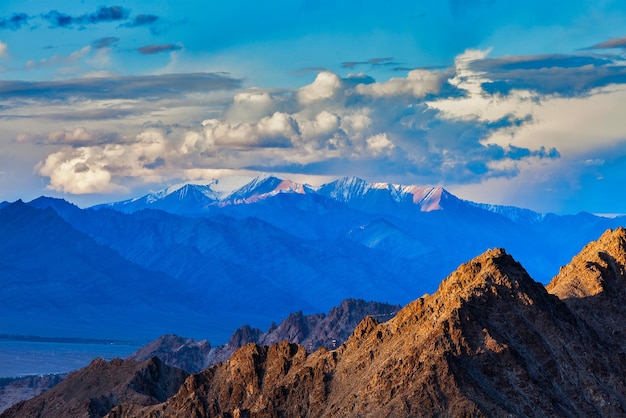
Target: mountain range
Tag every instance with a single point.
(312, 331)
(490, 341)
(193, 261)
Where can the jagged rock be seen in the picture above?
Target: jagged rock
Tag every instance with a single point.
(19, 389)
(94, 390)
(329, 331)
(593, 285)
(490, 342)
(184, 353)
(311, 331)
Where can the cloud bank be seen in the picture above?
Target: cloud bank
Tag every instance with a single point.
(501, 124)
(332, 126)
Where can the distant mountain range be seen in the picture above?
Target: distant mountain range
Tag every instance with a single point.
(311, 331)
(490, 341)
(196, 262)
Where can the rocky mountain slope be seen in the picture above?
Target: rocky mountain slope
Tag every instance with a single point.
(15, 390)
(593, 286)
(489, 342)
(311, 331)
(92, 391)
(184, 353)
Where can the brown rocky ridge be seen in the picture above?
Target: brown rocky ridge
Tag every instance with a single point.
(490, 342)
(593, 286)
(14, 390)
(184, 353)
(92, 391)
(313, 331)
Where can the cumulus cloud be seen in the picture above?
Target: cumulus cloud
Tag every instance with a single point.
(4, 49)
(326, 86)
(158, 48)
(78, 172)
(380, 144)
(99, 168)
(430, 126)
(418, 84)
(275, 131)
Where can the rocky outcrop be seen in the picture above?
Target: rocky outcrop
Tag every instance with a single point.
(593, 285)
(310, 331)
(329, 331)
(184, 353)
(490, 342)
(19, 389)
(94, 390)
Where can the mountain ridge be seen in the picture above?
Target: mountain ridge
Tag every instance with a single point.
(491, 341)
(344, 190)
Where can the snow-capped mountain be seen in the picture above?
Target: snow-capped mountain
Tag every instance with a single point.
(514, 213)
(267, 249)
(352, 191)
(181, 199)
(385, 197)
(263, 187)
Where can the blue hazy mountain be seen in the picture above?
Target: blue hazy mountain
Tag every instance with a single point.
(57, 281)
(194, 261)
(430, 219)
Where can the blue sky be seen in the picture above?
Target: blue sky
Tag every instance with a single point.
(519, 104)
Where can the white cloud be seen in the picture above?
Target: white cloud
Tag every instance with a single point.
(249, 106)
(575, 126)
(78, 171)
(417, 84)
(4, 50)
(340, 127)
(380, 144)
(326, 86)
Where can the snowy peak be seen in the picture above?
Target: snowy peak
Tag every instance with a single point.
(195, 191)
(427, 198)
(515, 214)
(263, 187)
(372, 195)
(345, 189)
(186, 198)
(356, 193)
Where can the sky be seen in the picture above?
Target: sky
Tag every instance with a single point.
(507, 103)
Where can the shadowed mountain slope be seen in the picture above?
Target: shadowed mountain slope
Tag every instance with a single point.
(593, 285)
(92, 391)
(58, 281)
